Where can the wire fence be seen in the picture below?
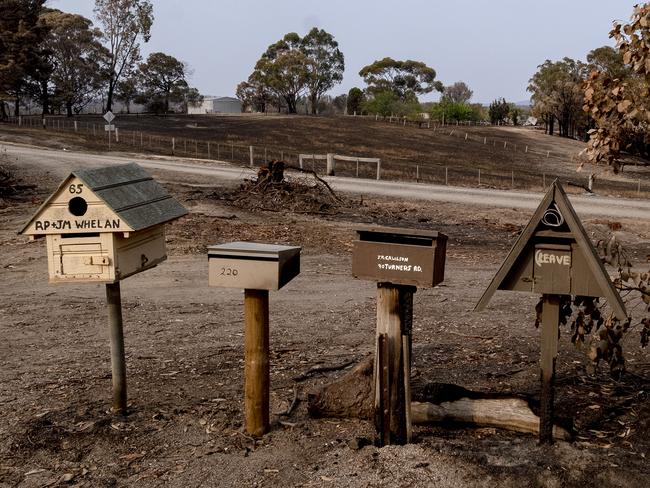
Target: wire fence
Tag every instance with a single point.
(393, 168)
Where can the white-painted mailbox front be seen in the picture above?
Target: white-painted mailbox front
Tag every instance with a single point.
(104, 224)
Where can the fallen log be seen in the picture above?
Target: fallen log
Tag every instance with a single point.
(505, 413)
(350, 396)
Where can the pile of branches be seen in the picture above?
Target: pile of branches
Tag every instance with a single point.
(272, 191)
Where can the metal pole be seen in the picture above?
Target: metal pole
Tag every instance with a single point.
(118, 363)
(109, 140)
(256, 369)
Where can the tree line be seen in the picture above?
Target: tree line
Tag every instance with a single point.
(63, 62)
(604, 99)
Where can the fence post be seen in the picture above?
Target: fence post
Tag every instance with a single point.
(446, 175)
(196, 148)
(526, 149)
(357, 167)
(208, 149)
(45, 125)
(141, 139)
(479, 177)
(218, 153)
(379, 169)
(117, 135)
(465, 135)
(638, 188)
(548, 153)
(417, 173)
(173, 145)
(330, 164)
(484, 140)
(300, 161)
(20, 120)
(250, 151)
(505, 144)
(512, 180)
(75, 126)
(544, 181)
(232, 151)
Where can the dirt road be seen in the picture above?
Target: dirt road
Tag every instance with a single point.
(64, 161)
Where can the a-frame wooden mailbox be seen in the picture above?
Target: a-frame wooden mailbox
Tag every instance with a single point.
(554, 257)
(102, 225)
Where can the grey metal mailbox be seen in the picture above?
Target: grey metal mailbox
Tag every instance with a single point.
(258, 269)
(400, 256)
(253, 266)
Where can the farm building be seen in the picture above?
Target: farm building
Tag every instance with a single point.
(216, 105)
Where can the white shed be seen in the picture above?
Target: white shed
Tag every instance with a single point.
(216, 105)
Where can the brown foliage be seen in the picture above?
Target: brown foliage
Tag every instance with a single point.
(620, 106)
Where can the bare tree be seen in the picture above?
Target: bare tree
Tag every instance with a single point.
(124, 23)
(459, 92)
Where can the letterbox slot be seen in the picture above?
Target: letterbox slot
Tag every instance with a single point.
(245, 257)
(392, 238)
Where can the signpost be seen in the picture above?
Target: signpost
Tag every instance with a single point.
(554, 257)
(92, 237)
(257, 268)
(109, 117)
(399, 260)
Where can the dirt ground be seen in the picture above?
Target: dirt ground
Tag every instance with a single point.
(184, 345)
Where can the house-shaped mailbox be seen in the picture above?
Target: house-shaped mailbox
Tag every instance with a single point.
(553, 255)
(104, 224)
(252, 266)
(399, 256)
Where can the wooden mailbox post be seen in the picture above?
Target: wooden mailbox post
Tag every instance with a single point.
(257, 268)
(553, 256)
(102, 225)
(399, 260)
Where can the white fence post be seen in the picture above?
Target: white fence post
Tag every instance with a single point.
(330, 164)
(250, 150)
(379, 169)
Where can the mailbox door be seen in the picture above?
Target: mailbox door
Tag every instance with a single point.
(254, 274)
(87, 258)
(552, 269)
(395, 263)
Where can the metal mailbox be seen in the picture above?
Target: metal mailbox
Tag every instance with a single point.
(252, 266)
(400, 256)
(104, 224)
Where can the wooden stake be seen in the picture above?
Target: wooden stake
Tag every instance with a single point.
(118, 363)
(392, 381)
(550, 324)
(256, 371)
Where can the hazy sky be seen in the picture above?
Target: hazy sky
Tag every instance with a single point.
(492, 45)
